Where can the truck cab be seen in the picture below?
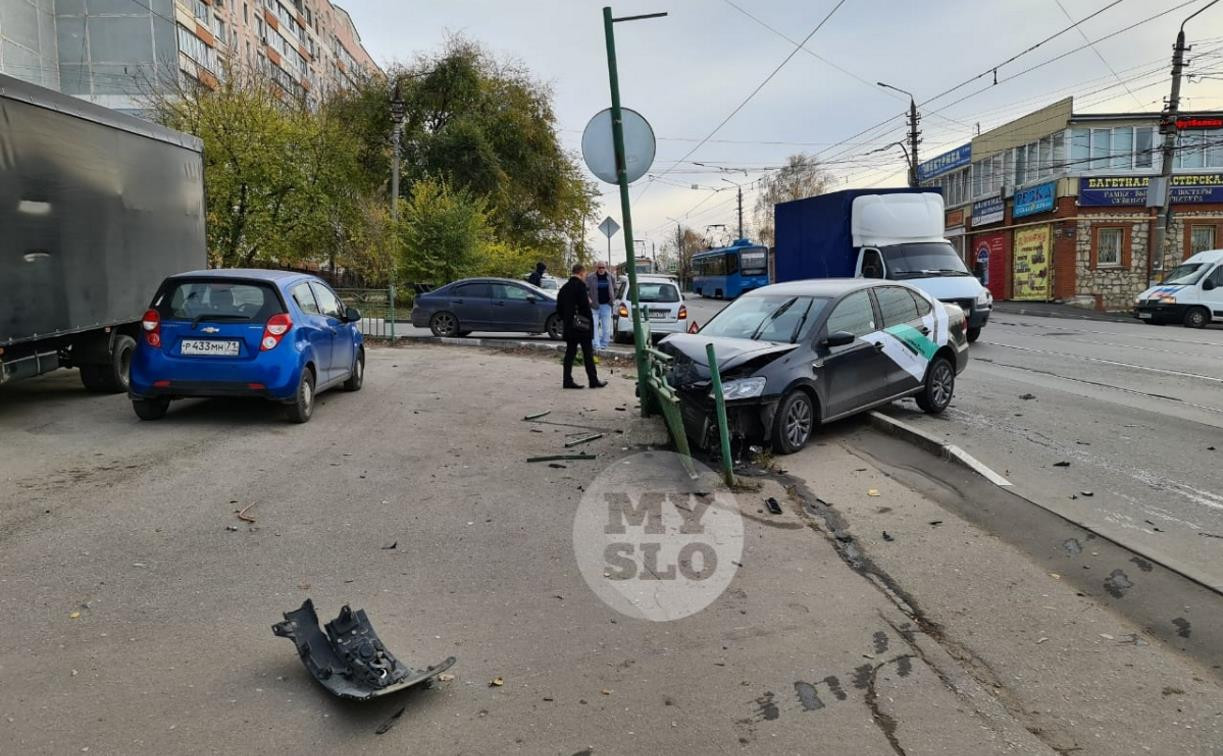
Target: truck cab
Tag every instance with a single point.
(899, 237)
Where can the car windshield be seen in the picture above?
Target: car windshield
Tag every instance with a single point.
(217, 300)
(922, 260)
(1186, 273)
(767, 317)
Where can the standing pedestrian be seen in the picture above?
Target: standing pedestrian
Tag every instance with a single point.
(537, 278)
(602, 288)
(573, 307)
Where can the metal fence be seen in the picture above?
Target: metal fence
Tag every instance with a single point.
(377, 308)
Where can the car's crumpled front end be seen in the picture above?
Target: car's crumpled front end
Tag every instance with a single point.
(743, 366)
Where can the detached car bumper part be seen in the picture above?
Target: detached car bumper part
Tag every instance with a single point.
(350, 661)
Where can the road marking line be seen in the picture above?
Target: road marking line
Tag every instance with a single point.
(931, 443)
(1109, 362)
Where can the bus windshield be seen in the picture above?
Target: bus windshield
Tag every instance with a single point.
(754, 261)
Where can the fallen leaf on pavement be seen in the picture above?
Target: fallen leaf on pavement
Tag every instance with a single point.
(606, 692)
(872, 492)
(496, 682)
(1042, 640)
(74, 615)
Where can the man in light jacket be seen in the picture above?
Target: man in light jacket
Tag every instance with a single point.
(602, 288)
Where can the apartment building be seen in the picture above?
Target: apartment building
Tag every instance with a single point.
(116, 52)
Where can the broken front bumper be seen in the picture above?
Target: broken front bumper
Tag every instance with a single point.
(747, 419)
(350, 661)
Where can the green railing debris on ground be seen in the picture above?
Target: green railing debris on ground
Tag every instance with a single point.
(715, 382)
(377, 308)
(667, 402)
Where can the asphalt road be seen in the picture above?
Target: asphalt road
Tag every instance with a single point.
(1114, 425)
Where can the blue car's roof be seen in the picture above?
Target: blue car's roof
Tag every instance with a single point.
(258, 274)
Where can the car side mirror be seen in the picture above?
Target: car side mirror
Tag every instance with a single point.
(1208, 284)
(352, 315)
(837, 338)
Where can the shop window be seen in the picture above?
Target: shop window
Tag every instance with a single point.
(1109, 242)
(1021, 165)
(1214, 148)
(1191, 149)
(1201, 238)
(1080, 148)
(1101, 148)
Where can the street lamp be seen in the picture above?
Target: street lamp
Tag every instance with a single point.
(398, 108)
(914, 135)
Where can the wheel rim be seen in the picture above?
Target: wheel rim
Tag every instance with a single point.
(941, 384)
(1196, 318)
(798, 422)
(445, 324)
(307, 395)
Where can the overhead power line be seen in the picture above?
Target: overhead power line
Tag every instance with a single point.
(1096, 50)
(755, 91)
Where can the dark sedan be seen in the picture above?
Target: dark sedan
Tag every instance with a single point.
(487, 304)
(797, 354)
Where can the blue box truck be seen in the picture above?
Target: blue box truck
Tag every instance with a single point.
(896, 234)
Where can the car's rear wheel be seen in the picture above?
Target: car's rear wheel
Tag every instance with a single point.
(1197, 317)
(794, 422)
(939, 388)
(444, 324)
(302, 407)
(150, 409)
(357, 378)
(554, 327)
(973, 334)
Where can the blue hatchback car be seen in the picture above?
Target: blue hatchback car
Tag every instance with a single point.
(279, 335)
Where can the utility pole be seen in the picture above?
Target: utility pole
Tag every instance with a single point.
(1168, 126)
(914, 133)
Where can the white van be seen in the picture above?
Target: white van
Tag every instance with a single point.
(1191, 293)
(661, 302)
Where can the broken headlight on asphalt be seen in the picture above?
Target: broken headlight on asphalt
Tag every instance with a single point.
(743, 388)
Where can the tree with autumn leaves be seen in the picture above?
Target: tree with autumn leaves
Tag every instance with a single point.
(486, 186)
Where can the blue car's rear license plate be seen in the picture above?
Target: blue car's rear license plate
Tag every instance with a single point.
(209, 348)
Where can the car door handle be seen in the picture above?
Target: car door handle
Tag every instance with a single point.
(498, 304)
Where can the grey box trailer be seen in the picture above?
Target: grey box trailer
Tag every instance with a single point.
(96, 208)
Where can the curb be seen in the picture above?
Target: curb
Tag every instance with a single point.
(1103, 317)
(949, 452)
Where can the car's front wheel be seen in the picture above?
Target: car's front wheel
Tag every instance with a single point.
(357, 377)
(150, 409)
(444, 324)
(940, 385)
(794, 422)
(302, 407)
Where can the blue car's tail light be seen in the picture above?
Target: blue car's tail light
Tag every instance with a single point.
(151, 323)
(275, 329)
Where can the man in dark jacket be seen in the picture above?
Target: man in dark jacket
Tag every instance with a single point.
(573, 306)
(537, 278)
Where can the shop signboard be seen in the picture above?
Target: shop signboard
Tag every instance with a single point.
(945, 163)
(988, 211)
(1119, 191)
(1034, 199)
(991, 250)
(1031, 277)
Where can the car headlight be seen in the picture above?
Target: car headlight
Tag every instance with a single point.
(745, 388)
(985, 298)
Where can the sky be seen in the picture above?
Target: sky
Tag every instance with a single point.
(687, 72)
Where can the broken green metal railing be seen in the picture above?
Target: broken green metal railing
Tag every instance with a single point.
(667, 401)
(715, 383)
(377, 308)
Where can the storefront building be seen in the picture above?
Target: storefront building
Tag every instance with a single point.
(1053, 205)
